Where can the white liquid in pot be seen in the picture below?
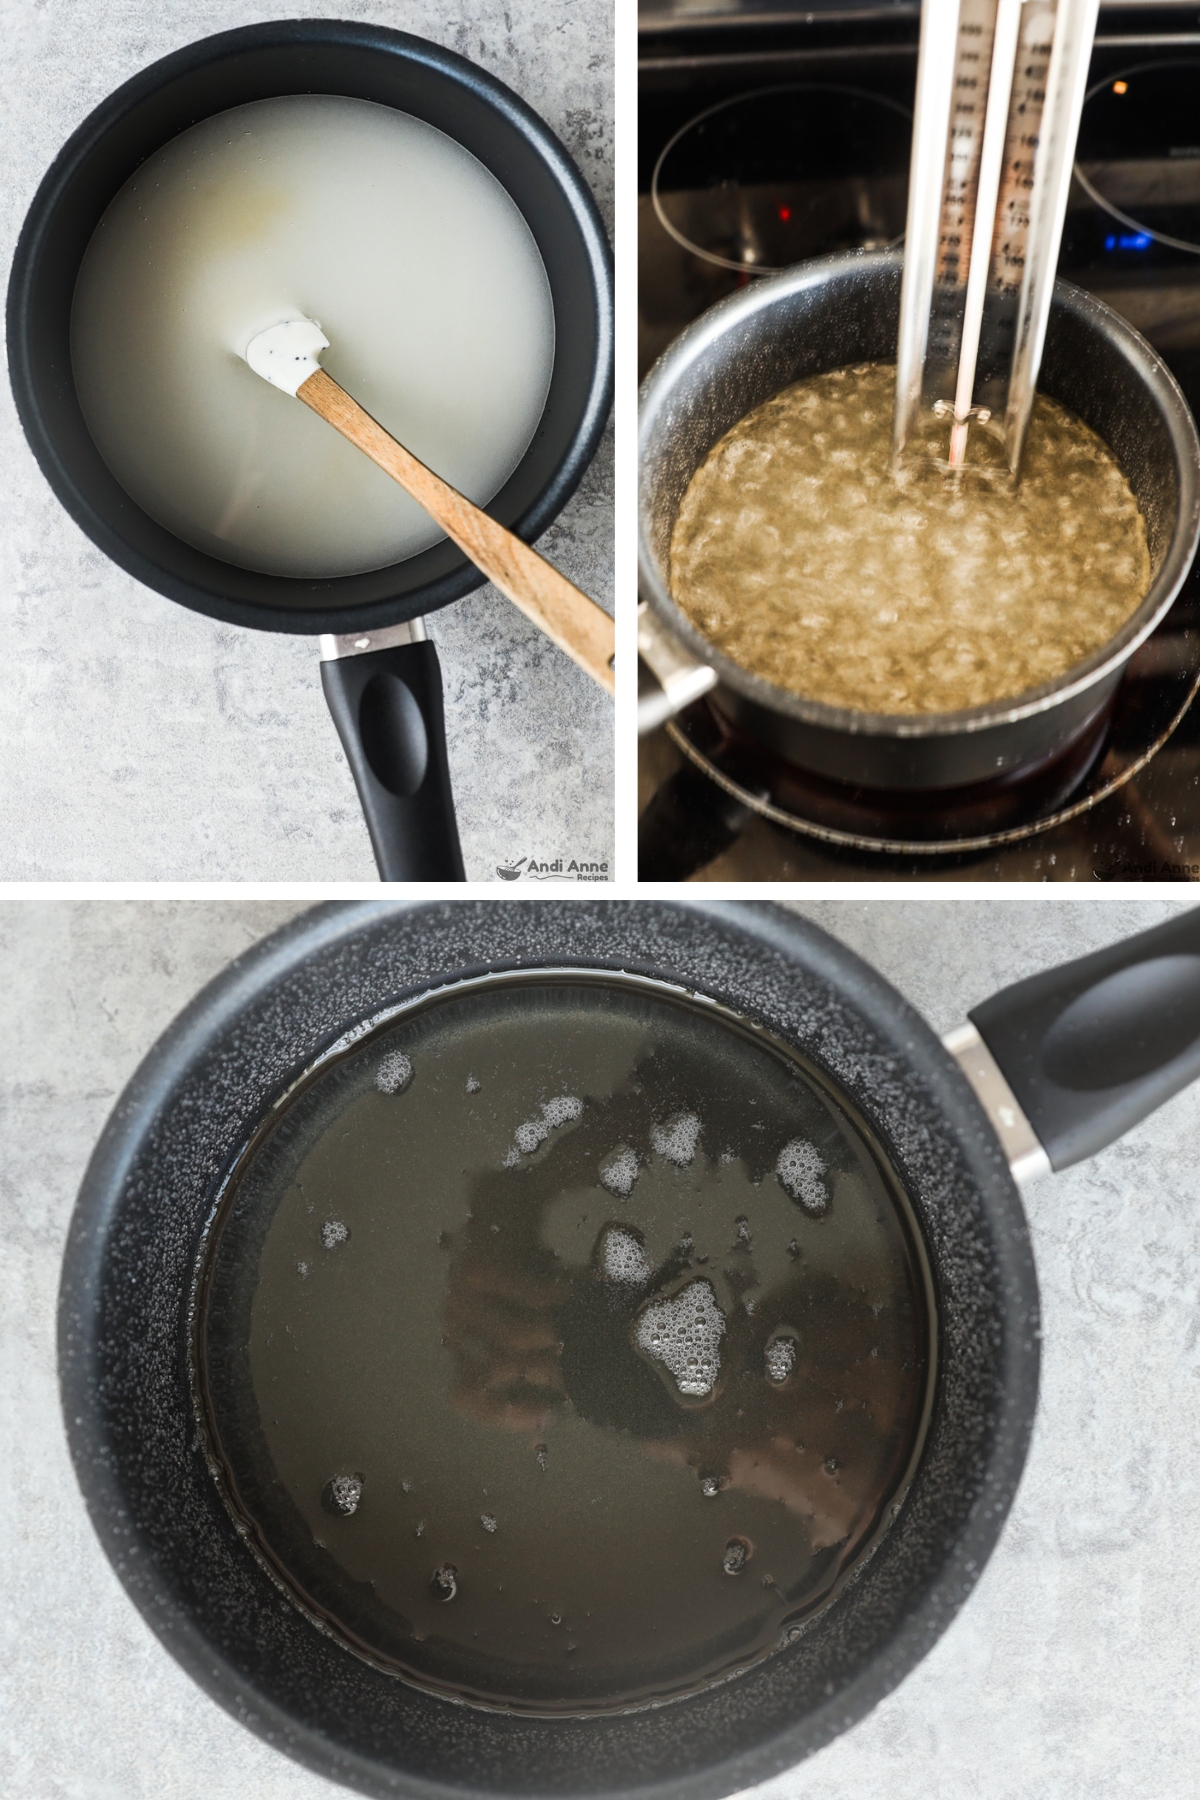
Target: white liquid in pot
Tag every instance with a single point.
(418, 265)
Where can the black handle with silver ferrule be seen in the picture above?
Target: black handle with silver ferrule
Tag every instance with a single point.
(1068, 1060)
(384, 690)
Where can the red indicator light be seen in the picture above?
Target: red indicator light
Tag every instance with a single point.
(785, 213)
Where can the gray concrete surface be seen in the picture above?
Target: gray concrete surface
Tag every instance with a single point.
(1071, 1672)
(139, 741)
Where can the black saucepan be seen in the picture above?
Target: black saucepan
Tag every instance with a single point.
(1084, 1050)
(844, 309)
(385, 691)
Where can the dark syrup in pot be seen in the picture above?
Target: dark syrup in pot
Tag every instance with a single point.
(563, 1343)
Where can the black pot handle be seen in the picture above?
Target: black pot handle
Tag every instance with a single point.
(1092, 1047)
(387, 706)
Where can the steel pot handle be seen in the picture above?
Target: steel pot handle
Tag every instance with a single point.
(669, 677)
(1090, 1048)
(384, 690)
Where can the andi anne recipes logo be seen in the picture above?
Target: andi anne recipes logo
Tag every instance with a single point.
(529, 868)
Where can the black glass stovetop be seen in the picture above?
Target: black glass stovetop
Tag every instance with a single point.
(753, 183)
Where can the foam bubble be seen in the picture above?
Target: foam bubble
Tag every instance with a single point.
(394, 1073)
(333, 1233)
(473, 1085)
(801, 1169)
(737, 1555)
(780, 1358)
(559, 1111)
(622, 1257)
(487, 1520)
(342, 1494)
(684, 1334)
(444, 1582)
(619, 1171)
(677, 1139)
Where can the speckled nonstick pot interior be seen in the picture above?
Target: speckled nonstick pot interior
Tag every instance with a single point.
(844, 309)
(123, 1335)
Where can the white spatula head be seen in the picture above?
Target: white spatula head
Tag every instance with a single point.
(285, 355)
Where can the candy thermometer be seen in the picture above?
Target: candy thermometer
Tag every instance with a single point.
(1000, 87)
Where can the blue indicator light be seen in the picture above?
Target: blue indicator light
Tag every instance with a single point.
(1129, 241)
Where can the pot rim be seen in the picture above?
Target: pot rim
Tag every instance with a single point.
(55, 187)
(692, 347)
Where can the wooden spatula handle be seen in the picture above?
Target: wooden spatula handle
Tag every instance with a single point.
(555, 605)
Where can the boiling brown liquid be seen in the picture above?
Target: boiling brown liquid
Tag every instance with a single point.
(801, 555)
(564, 1344)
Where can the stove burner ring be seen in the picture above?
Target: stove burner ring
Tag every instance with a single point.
(734, 180)
(941, 846)
(1115, 212)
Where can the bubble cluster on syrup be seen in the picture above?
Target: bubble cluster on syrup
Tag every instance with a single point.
(684, 1334)
(779, 1358)
(488, 1521)
(444, 1582)
(619, 1171)
(677, 1138)
(342, 1494)
(622, 1257)
(737, 1555)
(333, 1233)
(394, 1073)
(534, 1132)
(801, 1171)
(473, 1084)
